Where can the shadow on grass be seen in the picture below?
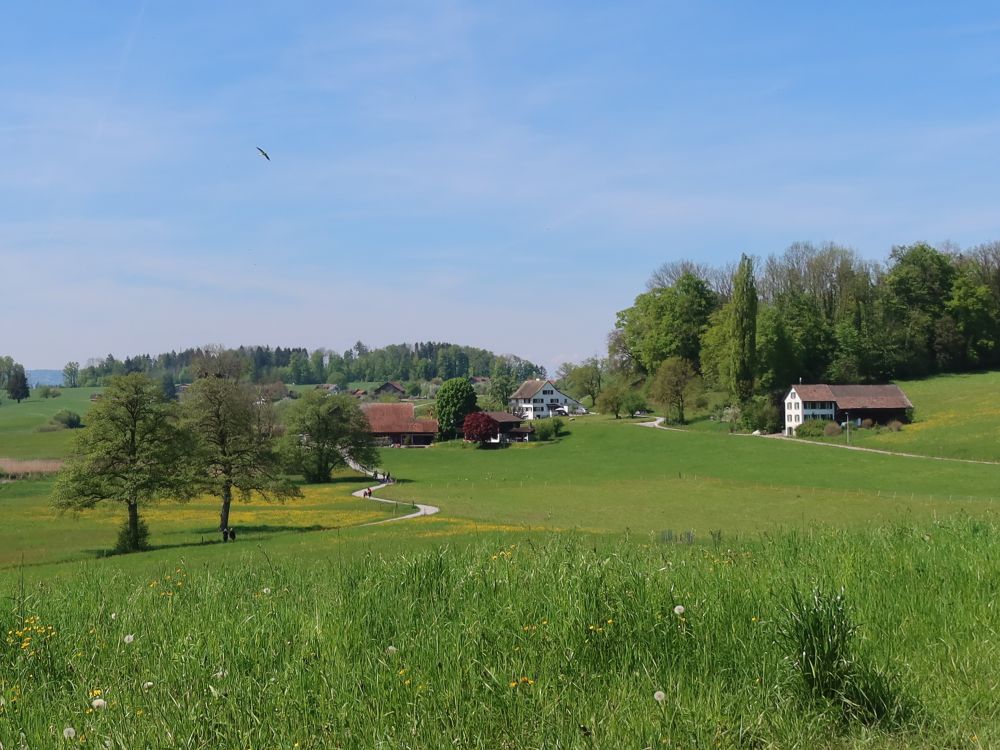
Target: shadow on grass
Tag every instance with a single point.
(213, 536)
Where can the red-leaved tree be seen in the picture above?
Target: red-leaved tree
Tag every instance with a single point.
(480, 427)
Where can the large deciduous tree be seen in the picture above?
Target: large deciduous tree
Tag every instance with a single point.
(132, 452)
(455, 399)
(17, 384)
(744, 330)
(234, 430)
(324, 432)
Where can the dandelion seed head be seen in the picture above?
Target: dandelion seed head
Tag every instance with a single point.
(391, 650)
(266, 591)
(147, 685)
(129, 638)
(659, 696)
(69, 733)
(98, 704)
(679, 610)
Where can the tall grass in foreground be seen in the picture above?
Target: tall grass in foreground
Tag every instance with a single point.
(518, 645)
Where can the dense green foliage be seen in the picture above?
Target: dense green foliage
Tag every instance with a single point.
(323, 432)
(506, 643)
(262, 364)
(132, 453)
(233, 430)
(17, 384)
(455, 400)
(823, 315)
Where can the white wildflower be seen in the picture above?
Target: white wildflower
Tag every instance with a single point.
(147, 685)
(679, 610)
(69, 733)
(220, 674)
(129, 638)
(391, 651)
(98, 703)
(266, 591)
(114, 615)
(659, 696)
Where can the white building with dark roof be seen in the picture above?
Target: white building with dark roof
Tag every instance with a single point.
(836, 403)
(538, 399)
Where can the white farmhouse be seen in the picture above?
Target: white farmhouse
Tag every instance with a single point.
(837, 403)
(537, 399)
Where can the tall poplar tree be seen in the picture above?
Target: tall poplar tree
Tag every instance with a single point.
(744, 330)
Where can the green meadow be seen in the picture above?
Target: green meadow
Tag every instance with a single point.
(536, 610)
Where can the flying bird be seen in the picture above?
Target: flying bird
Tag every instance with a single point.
(263, 153)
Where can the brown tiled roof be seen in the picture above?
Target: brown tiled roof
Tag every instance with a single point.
(870, 397)
(856, 396)
(502, 417)
(395, 384)
(388, 419)
(529, 388)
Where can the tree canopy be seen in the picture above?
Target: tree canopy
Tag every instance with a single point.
(131, 452)
(455, 400)
(324, 432)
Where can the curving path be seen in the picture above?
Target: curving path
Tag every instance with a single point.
(422, 510)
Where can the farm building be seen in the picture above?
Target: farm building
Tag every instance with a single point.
(838, 403)
(396, 425)
(509, 428)
(390, 388)
(537, 399)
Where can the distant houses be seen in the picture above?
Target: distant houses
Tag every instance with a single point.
(396, 425)
(838, 403)
(538, 399)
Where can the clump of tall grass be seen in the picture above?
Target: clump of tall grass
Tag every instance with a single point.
(823, 637)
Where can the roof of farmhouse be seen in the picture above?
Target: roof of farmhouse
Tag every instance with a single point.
(530, 387)
(856, 396)
(396, 418)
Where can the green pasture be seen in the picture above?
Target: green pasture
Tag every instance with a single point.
(33, 533)
(519, 643)
(609, 475)
(22, 424)
(957, 416)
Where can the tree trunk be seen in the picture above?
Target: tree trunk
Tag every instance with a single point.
(133, 526)
(227, 499)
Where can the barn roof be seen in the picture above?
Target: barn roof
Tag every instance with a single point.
(856, 396)
(387, 419)
(503, 417)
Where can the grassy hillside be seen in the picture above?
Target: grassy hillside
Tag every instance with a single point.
(957, 416)
(612, 476)
(20, 422)
(500, 644)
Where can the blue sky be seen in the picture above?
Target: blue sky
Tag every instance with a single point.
(499, 174)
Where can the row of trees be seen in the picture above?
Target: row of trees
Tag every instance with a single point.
(223, 439)
(260, 364)
(819, 313)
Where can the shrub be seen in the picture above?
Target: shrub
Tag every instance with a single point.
(867, 424)
(544, 429)
(812, 428)
(68, 419)
(895, 425)
(129, 542)
(832, 429)
(47, 391)
(557, 427)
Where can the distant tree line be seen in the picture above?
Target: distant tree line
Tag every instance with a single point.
(262, 364)
(819, 313)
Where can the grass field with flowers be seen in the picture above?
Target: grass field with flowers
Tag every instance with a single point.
(830, 639)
